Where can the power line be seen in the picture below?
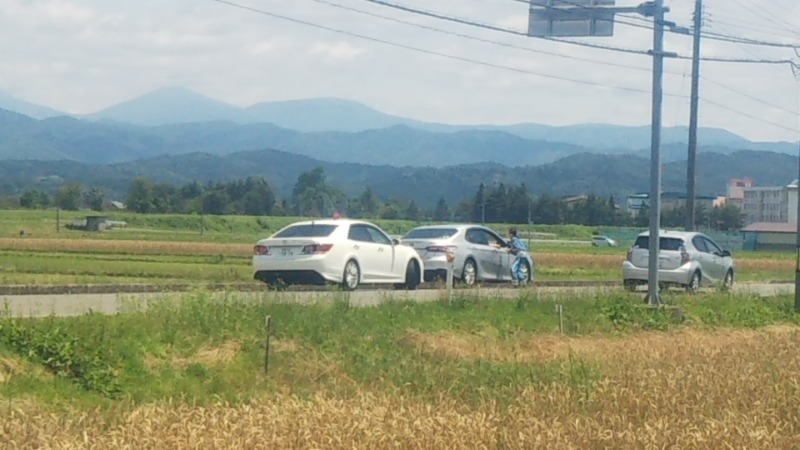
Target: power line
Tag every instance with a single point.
(671, 29)
(487, 41)
(478, 62)
(739, 92)
(466, 36)
(500, 29)
(775, 21)
(748, 41)
(435, 53)
(567, 41)
(718, 18)
(769, 122)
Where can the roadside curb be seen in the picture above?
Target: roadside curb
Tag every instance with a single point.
(76, 289)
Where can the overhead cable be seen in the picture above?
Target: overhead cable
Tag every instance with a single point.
(487, 41)
(435, 53)
(568, 41)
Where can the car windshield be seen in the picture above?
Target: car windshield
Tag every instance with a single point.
(430, 233)
(306, 230)
(665, 243)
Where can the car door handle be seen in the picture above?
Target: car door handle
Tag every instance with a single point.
(380, 249)
(356, 247)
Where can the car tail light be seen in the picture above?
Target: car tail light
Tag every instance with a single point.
(629, 255)
(314, 249)
(685, 256)
(261, 250)
(440, 248)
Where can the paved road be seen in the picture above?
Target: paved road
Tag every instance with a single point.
(78, 304)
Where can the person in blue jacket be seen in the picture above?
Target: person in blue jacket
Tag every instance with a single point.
(517, 248)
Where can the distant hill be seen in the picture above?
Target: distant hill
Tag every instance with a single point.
(112, 142)
(175, 105)
(617, 175)
(169, 106)
(116, 142)
(11, 103)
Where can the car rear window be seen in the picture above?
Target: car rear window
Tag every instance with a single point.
(430, 233)
(307, 230)
(665, 243)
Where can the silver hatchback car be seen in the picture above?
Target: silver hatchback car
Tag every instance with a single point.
(480, 253)
(686, 259)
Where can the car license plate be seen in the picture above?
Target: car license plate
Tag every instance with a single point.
(287, 251)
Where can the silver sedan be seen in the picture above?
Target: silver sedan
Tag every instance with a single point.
(480, 254)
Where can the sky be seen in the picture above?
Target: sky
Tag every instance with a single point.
(83, 56)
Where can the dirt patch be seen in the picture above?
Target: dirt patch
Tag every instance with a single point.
(284, 346)
(535, 347)
(207, 356)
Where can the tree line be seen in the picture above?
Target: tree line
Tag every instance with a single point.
(313, 196)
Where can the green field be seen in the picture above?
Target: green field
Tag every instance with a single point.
(172, 249)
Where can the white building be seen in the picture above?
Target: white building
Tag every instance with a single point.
(792, 197)
(771, 204)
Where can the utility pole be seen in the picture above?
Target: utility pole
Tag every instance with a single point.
(653, 295)
(550, 18)
(797, 263)
(691, 171)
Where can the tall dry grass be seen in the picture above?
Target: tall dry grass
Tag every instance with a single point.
(683, 390)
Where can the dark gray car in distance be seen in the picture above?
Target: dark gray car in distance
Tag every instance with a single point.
(480, 253)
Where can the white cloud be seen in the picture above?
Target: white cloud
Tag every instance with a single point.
(339, 51)
(81, 56)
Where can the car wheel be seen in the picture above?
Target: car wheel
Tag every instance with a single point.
(526, 272)
(629, 285)
(727, 283)
(694, 284)
(412, 275)
(351, 276)
(469, 275)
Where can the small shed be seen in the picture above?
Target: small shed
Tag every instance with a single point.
(770, 236)
(95, 223)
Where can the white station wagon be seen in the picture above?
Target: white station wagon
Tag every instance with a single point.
(340, 251)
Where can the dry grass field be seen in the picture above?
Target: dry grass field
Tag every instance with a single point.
(151, 247)
(687, 389)
(132, 247)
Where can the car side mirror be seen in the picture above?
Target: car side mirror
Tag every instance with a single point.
(395, 241)
(726, 253)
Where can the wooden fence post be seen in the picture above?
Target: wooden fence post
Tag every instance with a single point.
(266, 346)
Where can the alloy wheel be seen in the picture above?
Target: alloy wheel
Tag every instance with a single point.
(470, 273)
(352, 276)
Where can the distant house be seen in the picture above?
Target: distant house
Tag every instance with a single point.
(572, 199)
(770, 236)
(117, 205)
(736, 187)
(776, 204)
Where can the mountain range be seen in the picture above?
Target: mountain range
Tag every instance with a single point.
(175, 105)
(175, 135)
(607, 175)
